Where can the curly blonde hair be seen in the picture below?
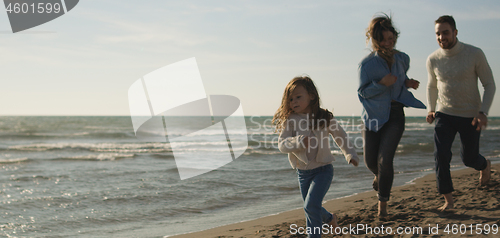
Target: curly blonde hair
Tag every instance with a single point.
(374, 32)
(321, 116)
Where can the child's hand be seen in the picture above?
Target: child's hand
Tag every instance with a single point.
(354, 162)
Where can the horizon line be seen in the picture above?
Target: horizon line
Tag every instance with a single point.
(490, 116)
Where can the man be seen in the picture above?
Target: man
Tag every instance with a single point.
(455, 103)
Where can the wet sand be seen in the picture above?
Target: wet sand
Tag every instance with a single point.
(412, 207)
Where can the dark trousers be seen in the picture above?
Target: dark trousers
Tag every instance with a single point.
(446, 128)
(380, 148)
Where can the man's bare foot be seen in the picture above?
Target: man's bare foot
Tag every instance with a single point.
(382, 209)
(448, 202)
(333, 224)
(375, 183)
(485, 174)
(445, 207)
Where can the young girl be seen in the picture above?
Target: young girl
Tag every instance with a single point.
(305, 130)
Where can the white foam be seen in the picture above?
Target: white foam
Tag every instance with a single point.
(99, 147)
(101, 157)
(13, 160)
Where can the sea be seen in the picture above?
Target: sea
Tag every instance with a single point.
(91, 177)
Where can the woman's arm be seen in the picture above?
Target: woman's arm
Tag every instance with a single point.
(369, 88)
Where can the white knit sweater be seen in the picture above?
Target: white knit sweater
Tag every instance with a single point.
(319, 153)
(453, 87)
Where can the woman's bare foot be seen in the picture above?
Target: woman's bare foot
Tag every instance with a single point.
(382, 209)
(333, 224)
(448, 202)
(485, 174)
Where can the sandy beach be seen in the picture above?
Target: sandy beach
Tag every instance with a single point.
(412, 209)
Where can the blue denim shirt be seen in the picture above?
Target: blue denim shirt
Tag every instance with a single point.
(376, 98)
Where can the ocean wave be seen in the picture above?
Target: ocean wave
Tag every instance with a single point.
(52, 135)
(260, 169)
(264, 147)
(168, 155)
(13, 160)
(493, 128)
(91, 157)
(99, 147)
(253, 131)
(492, 156)
(197, 144)
(37, 177)
(419, 124)
(416, 170)
(260, 142)
(205, 133)
(97, 157)
(261, 152)
(352, 132)
(418, 129)
(426, 147)
(222, 149)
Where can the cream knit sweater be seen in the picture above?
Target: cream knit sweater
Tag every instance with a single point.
(453, 87)
(318, 154)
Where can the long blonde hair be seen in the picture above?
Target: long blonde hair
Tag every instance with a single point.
(321, 117)
(374, 32)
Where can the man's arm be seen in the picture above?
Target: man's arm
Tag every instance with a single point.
(485, 75)
(432, 91)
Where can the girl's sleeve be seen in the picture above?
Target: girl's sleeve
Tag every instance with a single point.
(287, 142)
(342, 141)
(368, 88)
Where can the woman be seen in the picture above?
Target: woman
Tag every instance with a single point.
(383, 91)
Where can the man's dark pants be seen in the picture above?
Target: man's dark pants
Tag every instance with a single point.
(446, 128)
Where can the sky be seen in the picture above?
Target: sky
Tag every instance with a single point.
(84, 62)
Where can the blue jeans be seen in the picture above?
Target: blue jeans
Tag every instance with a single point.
(314, 184)
(380, 148)
(446, 128)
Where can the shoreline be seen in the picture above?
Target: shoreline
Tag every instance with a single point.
(412, 205)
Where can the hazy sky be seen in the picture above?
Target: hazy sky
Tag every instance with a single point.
(84, 62)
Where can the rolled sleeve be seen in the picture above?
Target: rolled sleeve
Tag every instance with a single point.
(369, 88)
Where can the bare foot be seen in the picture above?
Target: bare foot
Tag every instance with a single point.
(375, 183)
(333, 224)
(445, 207)
(485, 174)
(448, 204)
(382, 209)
